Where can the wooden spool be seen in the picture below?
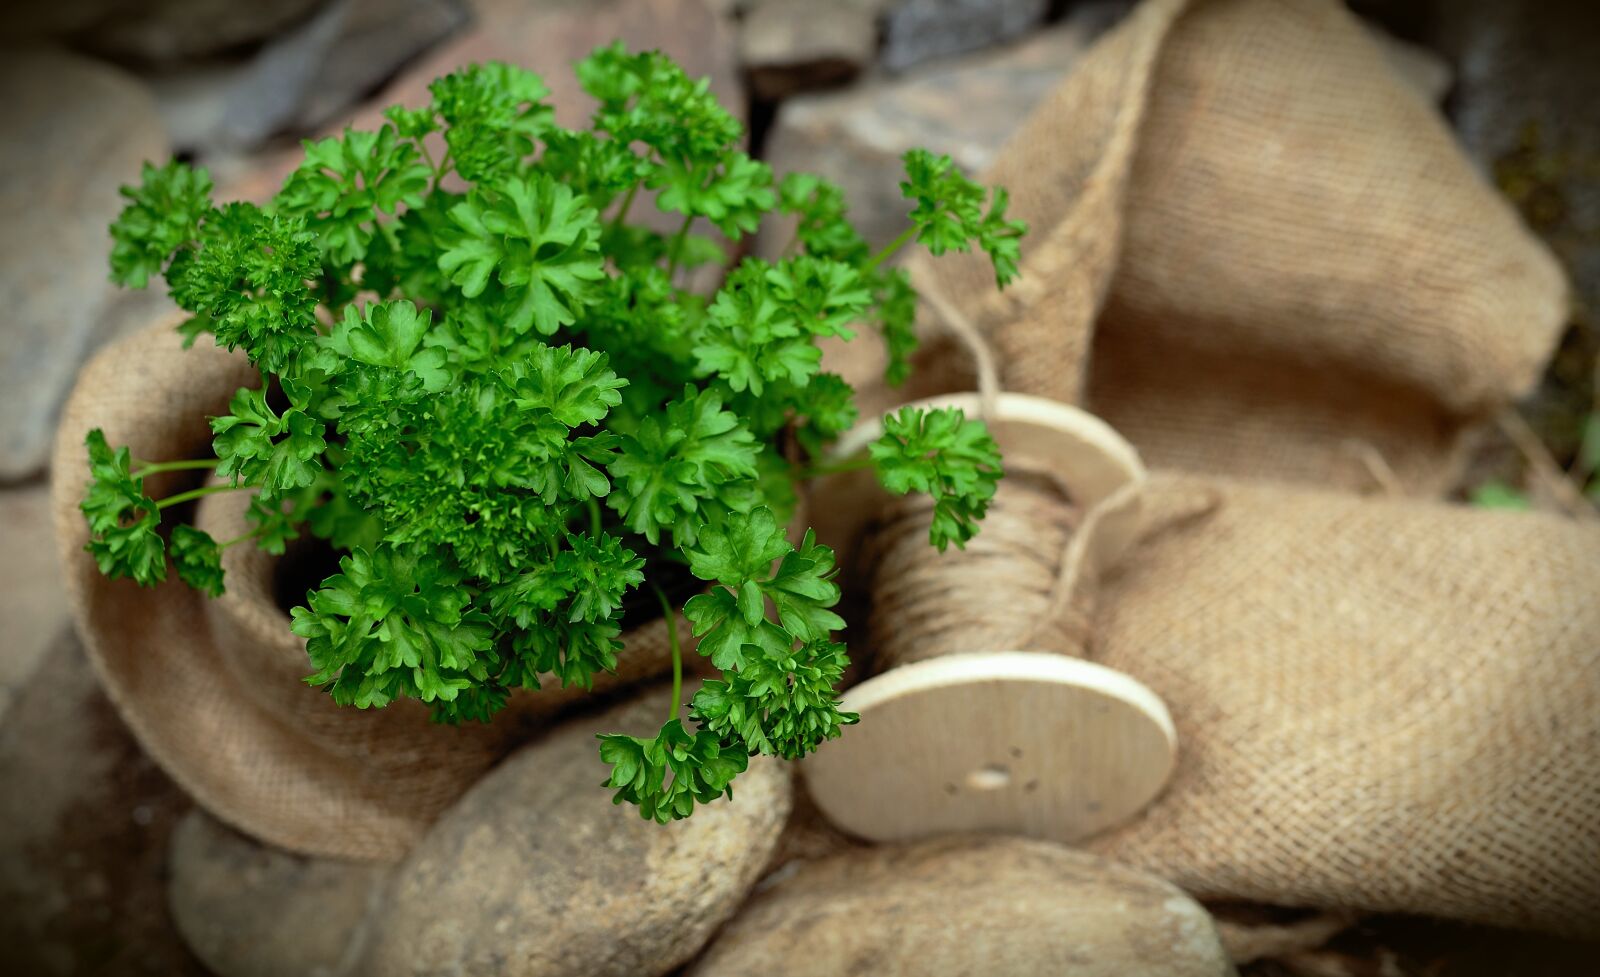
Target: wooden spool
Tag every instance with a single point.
(1000, 739)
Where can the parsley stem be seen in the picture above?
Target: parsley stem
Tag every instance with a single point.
(675, 249)
(622, 212)
(157, 467)
(192, 494)
(853, 464)
(240, 538)
(890, 248)
(594, 517)
(672, 642)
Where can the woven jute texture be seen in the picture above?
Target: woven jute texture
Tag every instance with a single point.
(214, 690)
(1263, 259)
(1260, 252)
(1381, 704)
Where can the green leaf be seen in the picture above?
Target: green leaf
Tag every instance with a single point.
(250, 283)
(257, 446)
(701, 767)
(391, 334)
(680, 464)
(1498, 495)
(123, 521)
(493, 113)
(163, 215)
(742, 548)
(574, 384)
(541, 239)
(346, 182)
(945, 456)
(197, 558)
(394, 623)
(949, 213)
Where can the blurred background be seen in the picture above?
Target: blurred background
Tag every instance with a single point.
(89, 89)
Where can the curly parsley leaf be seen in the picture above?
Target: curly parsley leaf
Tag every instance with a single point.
(258, 446)
(394, 623)
(198, 559)
(944, 455)
(682, 466)
(492, 113)
(701, 766)
(541, 238)
(949, 213)
(391, 334)
(163, 215)
(123, 521)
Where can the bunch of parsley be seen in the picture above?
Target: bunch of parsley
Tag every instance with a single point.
(493, 393)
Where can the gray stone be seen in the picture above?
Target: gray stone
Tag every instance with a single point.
(71, 132)
(959, 907)
(915, 31)
(789, 46)
(250, 910)
(84, 820)
(303, 78)
(536, 872)
(162, 31)
(33, 603)
(966, 108)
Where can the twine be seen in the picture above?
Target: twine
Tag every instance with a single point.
(1012, 589)
(1016, 585)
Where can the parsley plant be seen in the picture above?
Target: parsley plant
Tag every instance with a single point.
(494, 395)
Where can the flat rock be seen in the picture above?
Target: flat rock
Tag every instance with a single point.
(536, 873)
(250, 910)
(33, 603)
(790, 46)
(164, 31)
(302, 78)
(964, 907)
(84, 821)
(920, 30)
(71, 132)
(966, 108)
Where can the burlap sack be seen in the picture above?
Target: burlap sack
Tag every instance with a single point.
(1381, 704)
(1257, 253)
(214, 690)
(1262, 252)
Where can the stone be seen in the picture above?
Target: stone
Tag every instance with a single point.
(250, 910)
(968, 906)
(788, 47)
(84, 820)
(33, 604)
(536, 873)
(157, 32)
(71, 132)
(915, 31)
(547, 37)
(966, 108)
(303, 78)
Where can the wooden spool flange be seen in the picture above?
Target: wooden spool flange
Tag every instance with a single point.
(1001, 740)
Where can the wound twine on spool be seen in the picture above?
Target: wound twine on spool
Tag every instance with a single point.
(985, 712)
(1014, 586)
